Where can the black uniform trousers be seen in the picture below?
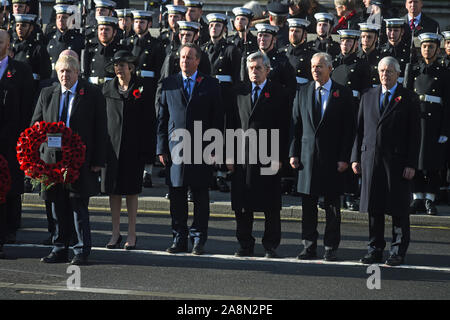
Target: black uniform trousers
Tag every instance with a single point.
(272, 229)
(198, 232)
(3, 229)
(400, 220)
(70, 213)
(332, 236)
(426, 181)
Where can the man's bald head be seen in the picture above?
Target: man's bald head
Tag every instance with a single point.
(69, 53)
(4, 43)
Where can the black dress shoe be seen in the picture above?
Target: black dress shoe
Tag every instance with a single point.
(177, 248)
(330, 255)
(128, 247)
(244, 252)
(271, 254)
(307, 255)
(79, 260)
(115, 245)
(198, 249)
(55, 258)
(222, 185)
(371, 258)
(395, 260)
(417, 206)
(430, 207)
(147, 181)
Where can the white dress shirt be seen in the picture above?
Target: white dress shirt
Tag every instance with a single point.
(326, 90)
(3, 66)
(261, 87)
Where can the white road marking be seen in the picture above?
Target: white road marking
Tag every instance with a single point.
(252, 259)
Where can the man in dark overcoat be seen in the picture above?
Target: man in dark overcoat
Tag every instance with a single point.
(323, 126)
(185, 100)
(385, 153)
(16, 109)
(261, 104)
(81, 106)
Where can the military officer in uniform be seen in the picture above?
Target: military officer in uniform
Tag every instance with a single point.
(169, 38)
(278, 14)
(396, 46)
(125, 24)
(194, 13)
(430, 81)
(51, 26)
(298, 51)
(243, 38)
(324, 42)
(103, 8)
(353, 73)
(187, 33)
(63, 38)
(101, 51)
(28, 49)
(150, 57)
(445, 60)
(224, 58)
(369, 51)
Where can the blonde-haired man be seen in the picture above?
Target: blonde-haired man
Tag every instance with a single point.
(81, 106)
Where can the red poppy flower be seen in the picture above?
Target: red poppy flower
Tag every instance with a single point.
(266, 94)
(137, 94)
(397, 99)
(336, 94)
(9, 74)
(81, 92)
(199, 79)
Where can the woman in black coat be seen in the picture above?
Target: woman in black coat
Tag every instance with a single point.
(132, 142)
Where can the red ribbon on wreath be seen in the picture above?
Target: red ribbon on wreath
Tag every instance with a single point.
(5, 179)
(66, 170)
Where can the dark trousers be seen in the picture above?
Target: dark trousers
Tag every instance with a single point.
(3, 229)
(332, 236)
(13, 207)
(272, 229)
(70, 213)
(198, 232)
(50, 221)
(426, 181)
(400, 233)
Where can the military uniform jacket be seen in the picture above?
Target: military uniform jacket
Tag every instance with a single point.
(169, 41)
(445, 61)
(33, 53)
(328, 46)
(372, 59)
(97, 56)
(433, 81)
(401, 52)
(300, 59)
(224, 58)
(150, 57)
(353, 73)
(58, 42)
(245, 49)
(282, 37)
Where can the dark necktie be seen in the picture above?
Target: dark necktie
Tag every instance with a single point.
(65, 109)
(318, 108)
(385, 102)
(187, 88)
(412, 25)
(255, 95)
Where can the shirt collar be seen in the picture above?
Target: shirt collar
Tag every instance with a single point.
(4, 61)
(392, 90)
(72, 90)
(261, 86)
(326, 86)
(193, 77)
(416, 19)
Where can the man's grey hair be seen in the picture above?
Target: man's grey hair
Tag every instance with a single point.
(325, 57)
(259, 55)
(389, 61)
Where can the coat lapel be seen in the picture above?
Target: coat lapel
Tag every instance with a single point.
(311, 101)
(54, 104)
(263, 96)
(181, 88)
(392, 104)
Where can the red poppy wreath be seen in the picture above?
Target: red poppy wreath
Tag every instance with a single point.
(66, 170)
(5, 179)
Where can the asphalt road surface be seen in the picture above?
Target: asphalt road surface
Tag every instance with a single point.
(151, 273)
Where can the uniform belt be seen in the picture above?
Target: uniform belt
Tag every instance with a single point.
(147, 74)
(356, 94)
(36, 76)
(301, 80)
(224, 78)
(428, 98)
(98, 80)
(400, 79)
